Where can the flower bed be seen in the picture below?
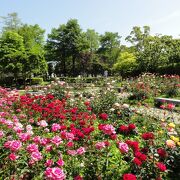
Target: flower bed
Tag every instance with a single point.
(58, 136)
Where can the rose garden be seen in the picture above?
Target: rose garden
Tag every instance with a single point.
(92, 132)
(83, 106)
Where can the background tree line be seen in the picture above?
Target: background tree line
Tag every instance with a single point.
(24, 51)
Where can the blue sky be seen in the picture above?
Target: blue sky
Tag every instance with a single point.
(163, 16)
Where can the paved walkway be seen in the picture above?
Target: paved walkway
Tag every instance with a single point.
(158, 113)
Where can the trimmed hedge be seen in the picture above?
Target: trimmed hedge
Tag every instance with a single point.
(36, 80)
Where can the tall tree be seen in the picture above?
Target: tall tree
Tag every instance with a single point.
(93, 40)
(11, 53)
(137, 37)
(33, 37)
(109, 48)
(11, 22)
(66, 43)
(32, 34)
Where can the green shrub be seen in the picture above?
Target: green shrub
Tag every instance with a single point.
(104, 101)
(172, 92)
(36, 80)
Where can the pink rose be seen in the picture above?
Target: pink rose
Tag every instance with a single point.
(72, 152)
(54, 173)
(29, 128)
(15, 145)
(42, 123)
(56, 140)
(81, 150)
(24, 136)
(123, 147)
(67, 135)
(100, 145)
(37, 139)
(49, 163)
(43, 141)
(13, 157)
(60, 162)
(108, 129)
(32, 148)
(36, 156)
(1, 134)
(55, 127)
(48, 148)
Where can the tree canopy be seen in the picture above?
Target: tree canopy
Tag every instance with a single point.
(23, 50)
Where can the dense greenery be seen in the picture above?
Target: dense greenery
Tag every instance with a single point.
(24, 53)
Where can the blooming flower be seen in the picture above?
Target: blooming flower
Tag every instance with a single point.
(170, 106)
(32, 148)
(171, 125)
(24, 136)
(1, 134)
(162, 153)
(36, 156)
(175, 139)
(13, 157)
(131, 127)
(70, 144)
(129, 177)
(55, 127)
(71, 152)
(108, 129)
(161, 166)
(123, 129)
(56, 140)
(78, 178)
(137, 161)
(123, 147)
(60, 162)
(13, 145)
(140, 156)
(170, 144)
(54, 173)
(133, 144)
(81, 150)
(42, 123)
(100, 145)
(148, 136)
(48, 163)
(103, 116)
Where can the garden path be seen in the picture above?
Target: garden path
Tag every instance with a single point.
(158, 113)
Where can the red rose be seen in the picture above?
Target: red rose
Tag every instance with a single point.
(123, 129)
(161, 166)
(137, 161)
(107, 143)
(133, 144)
(148, 135)
(140, 156)
(129, 177)
(78, 178)
(113, 136)
(162, 153)
(87, 103)
(131, 127)
(103, 116)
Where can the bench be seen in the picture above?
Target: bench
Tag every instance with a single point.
(167, 100)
